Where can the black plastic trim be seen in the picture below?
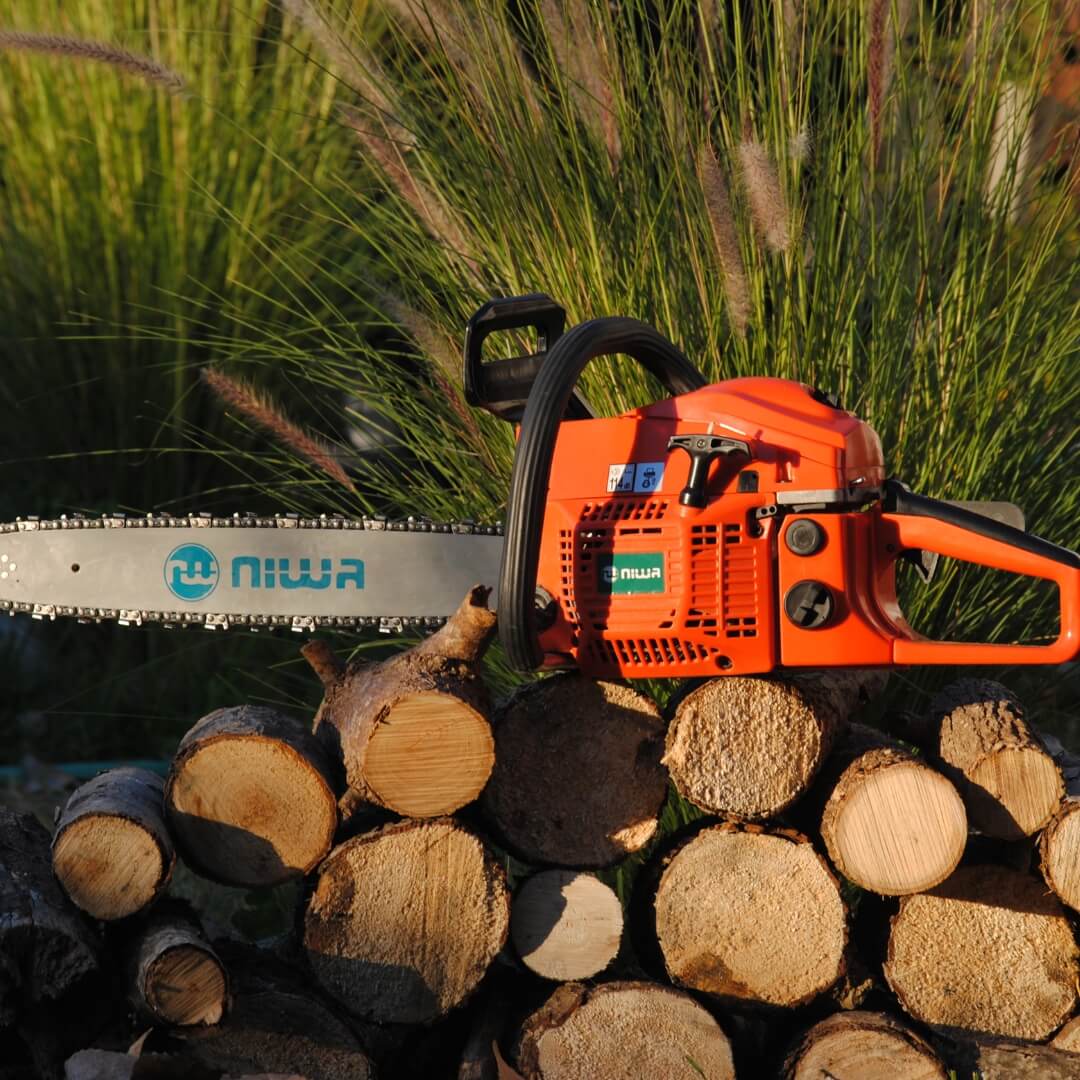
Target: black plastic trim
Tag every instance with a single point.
(543, 413)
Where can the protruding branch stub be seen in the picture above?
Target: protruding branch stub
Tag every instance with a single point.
(324, 661)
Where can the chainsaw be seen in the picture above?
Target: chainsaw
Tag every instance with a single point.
(731, 528)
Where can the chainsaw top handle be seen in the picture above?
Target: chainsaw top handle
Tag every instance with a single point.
(545, 407)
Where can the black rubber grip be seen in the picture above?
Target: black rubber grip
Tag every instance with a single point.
(536, 444)
(899, 500)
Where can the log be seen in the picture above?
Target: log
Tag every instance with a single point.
(751, 915)
(623, 1029)
(250, 797)
(989, 951)
(747, 748)
(1068, 1038)
(276, 1029)
(176, 976)
(566, 925)
(1059, 842)
(997, 1059)
(862, 1046)
(1007, 778)
(111, 851)
(47, 946)
(404, 921)
(891, 824)
(577, 779)
(412, 730)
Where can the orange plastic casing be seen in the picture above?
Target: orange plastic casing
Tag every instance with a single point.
(645, 587)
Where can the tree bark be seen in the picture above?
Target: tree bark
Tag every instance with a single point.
(412, 730)
(47, 946)
(623, 1029)
(112, 852)
(996, 1059)
(404, 921)
(176, 977)
(577, 779)
(862, 1046)
(747, 748)
(272, 1029)
(1007, 778)
(49, 955)
(751, 916)
(891, 824)
(566, 925)
(989, 950)
(250, 797)
(1068, 1038)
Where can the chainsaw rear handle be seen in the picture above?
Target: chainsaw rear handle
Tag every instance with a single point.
(915, 522)
(502, 386)
(544, 409)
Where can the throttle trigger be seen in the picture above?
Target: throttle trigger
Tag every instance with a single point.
(701, 449)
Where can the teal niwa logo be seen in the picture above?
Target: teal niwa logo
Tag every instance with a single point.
(625, 575)
(191, 572)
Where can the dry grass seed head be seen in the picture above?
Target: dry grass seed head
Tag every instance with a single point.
(575, 40)
(146, 68)
(725, 239)
(260, 410)
(768, 207)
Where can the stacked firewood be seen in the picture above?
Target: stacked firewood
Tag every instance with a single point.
(837, 900)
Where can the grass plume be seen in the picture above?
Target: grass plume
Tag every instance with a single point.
(151, 71)
(725, 239)
(259, 409)
(768, 207)
(576, 43)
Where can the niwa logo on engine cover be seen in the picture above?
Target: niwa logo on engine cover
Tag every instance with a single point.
(626, 575)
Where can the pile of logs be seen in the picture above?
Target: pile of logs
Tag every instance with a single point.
(570, 883)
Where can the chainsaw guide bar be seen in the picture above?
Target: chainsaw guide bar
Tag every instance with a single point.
(246, 571)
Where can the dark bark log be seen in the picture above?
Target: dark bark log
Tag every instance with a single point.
(250, 797)
(112, 852)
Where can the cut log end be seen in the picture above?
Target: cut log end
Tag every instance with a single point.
(1008, 780)
(623, 1029)
(186, 984)
(110, 866)
(751, 916)
(112, 852)
(249, 798)
(577, 779)
(1059, 851)
(895, 828)
(429, 755)
(1013, 791)
(566, 925)
(940, 967)
(404, 921)
(1068, 1038)
(748, 748)
(862, 1046)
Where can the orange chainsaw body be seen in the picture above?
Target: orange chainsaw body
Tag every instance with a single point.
(646, 587)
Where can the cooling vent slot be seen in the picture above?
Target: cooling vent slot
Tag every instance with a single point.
(648, 652)
(624, 510)
(566, 579)
(739, 584)
(704, 578)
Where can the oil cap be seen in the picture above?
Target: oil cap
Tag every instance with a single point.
(809, 604)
